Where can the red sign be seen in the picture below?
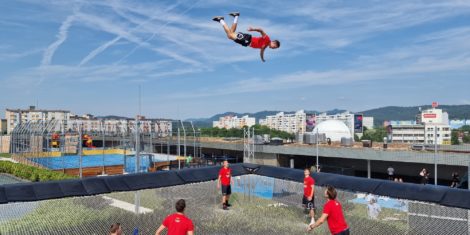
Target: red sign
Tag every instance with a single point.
(429, 115)
(435, 104)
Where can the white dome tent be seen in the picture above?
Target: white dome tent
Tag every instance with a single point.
(333, 129)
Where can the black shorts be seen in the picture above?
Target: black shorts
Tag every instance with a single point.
(243, 39)
(308, 204)
(226, 190)
(345, 232)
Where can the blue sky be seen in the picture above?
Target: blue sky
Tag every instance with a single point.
(91, 56)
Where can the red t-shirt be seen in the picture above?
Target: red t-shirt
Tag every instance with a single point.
(336, 221)
(178, 224)
(225, 174)
(308, 182)
(260, 42)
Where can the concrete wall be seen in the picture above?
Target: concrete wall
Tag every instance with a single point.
(425, 157)
(269, 159)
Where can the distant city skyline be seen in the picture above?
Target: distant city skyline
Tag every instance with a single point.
(91, 57)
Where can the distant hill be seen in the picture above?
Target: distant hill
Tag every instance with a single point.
(380, 114)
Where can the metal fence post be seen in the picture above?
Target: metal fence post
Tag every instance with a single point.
(137, 162)
(80, 150)
(435, 155)
(317, 159)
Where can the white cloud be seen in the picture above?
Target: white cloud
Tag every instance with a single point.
(18, 55)
(61, 37)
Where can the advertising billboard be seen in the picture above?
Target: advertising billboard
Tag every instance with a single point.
(310, 123)
(389, 129)
(358, 125)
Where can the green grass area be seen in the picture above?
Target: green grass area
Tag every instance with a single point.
(261, 216)
(7, 155)
(31, 173)
(148, 198)
(56, 215)
(250, 216)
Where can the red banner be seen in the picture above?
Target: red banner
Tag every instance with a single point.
(429, 115)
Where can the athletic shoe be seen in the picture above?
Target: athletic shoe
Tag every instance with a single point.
(228, 204)
(234, 14)
(224, 207)
(218, 18)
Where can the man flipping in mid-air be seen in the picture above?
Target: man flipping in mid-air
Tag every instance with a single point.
(245, 39)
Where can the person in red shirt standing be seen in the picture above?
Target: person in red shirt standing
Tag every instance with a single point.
(308, 199)
(245, 39)
(333, 213)
(177, 223)
(224, 181)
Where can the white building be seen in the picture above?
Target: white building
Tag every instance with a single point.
(292, 123)
(87, 122)
(408, 133)
(434, 128)
(18, 116)
(161, 126)
(434, 116)
(229, 122)
(442, 131)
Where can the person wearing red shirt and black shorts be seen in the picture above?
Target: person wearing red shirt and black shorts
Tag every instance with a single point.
(308, 200)
(177, 223)
(224, 181)
(333, 213)
(246, 39)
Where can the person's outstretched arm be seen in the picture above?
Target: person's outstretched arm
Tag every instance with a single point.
(218, 181)
(259, 30)
(318, 222)
(261, 53)
(160, 230)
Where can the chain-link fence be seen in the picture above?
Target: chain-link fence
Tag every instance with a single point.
(261, 205)
(104, 147)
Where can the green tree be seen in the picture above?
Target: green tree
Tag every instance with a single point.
(466, 139)
(376, 135)
(454, 138)
(356, 138)
(465, 128)
(238, 132)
